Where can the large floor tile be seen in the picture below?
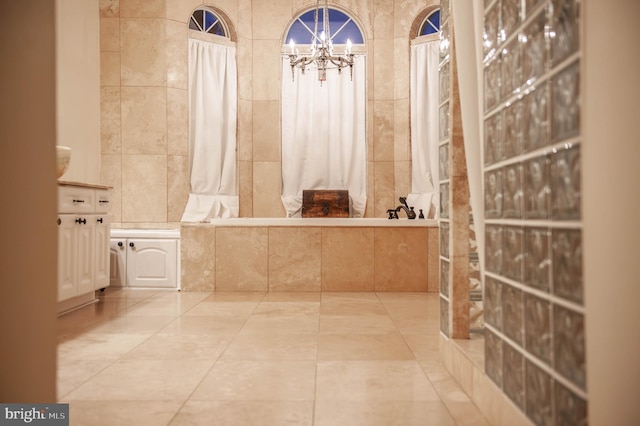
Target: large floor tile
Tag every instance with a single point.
(253, 346)
(180, 347)
(363, 347)
(113, 413)
(382, 413)
(254, 413)
(72, 374)
(356, 324)
(93, 346)
(223, 309)
(144, 380)
(204, 326)
(258, 381)
(373, 380)
(134, 324)
(281, 324)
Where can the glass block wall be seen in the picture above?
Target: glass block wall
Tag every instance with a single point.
(533, 301)
(444, 166)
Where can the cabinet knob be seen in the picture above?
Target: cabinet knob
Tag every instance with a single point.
(131, 244)
(99, 220)
(120, 244)
(81, 220)
(59, 222)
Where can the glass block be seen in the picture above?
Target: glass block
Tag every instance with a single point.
(443, 161)
(444, 317)
(511, 68)
(537, 258)
(512, 135)
(492, 84)
(444, 239)
(493, 241)
(512, 311)
(538, 394)
(531, 5)
(476, 315)
(493, 357)
(565, 184)
(445, 39)
(534, 46)
(475, 277)
(444, 121)
(569, 345)
(510, 18)
(513, 374)
(565, 106)
(512, 196)
(565, 32)
(566, 247)
(571, 410)
(537, 327)
(512, 256)
(535, 123)
(444, 10)
(493, 194)
(444, 200)
(444, 278)
(536, 188)
(444, 77)
(493, 303)
(492, 139)
(490, 31)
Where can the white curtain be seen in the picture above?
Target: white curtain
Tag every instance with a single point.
(212, 132)
(424, 128)
(323, 135)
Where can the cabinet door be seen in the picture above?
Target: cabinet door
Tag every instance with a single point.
(118, 262)
(67, 264)
(151, 263)
(102, 238)
(86, 253)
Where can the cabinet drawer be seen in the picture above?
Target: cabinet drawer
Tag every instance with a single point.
(76, 200)
(103, 201)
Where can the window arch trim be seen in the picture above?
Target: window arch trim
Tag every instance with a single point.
(341, 22)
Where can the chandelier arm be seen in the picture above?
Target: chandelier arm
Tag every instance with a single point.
(322, 54)
(315, 21)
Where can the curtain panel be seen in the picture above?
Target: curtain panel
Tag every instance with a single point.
(212, 132)
(324, 142)
(424, 127)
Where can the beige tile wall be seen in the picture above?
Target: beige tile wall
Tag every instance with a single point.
(264, 258)
(144, 112)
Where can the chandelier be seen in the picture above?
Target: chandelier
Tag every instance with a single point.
(321, 52)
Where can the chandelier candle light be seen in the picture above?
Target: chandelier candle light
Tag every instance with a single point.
(321, 50)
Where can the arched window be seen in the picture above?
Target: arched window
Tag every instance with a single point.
(431, 24)
(323, 114)
(213, 100)
(341, 28)
(206, 21)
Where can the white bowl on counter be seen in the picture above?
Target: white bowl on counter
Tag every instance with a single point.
(63, 157)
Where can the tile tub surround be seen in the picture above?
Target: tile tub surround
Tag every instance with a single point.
(310, 255)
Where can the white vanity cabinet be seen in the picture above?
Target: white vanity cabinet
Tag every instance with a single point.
(145, 258)
(83, 242)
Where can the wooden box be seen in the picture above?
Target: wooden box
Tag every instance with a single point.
(325, 203)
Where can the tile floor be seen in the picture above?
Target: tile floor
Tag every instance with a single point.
(148, 357)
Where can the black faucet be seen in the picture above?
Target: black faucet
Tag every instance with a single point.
(404, 206)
